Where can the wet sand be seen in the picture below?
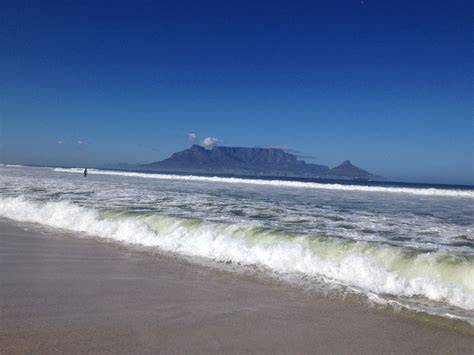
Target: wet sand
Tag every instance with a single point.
(60, 293)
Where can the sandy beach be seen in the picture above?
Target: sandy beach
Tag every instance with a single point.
(64, 294)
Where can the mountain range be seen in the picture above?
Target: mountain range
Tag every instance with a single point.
(252, 162)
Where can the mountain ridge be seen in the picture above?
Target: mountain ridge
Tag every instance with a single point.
(252, 162)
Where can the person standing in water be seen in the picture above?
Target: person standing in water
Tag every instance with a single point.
(85, 172)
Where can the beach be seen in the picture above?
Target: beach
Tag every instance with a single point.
(261, 177)
(63, 294)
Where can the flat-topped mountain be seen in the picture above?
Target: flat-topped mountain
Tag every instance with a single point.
(251, 161)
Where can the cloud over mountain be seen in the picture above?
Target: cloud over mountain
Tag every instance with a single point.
(210, 142)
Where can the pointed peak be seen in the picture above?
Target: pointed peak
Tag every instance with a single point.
(347, 169)
(196, 147)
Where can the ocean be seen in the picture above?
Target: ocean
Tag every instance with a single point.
(403, 246)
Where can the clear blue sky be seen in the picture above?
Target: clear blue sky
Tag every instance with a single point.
(386, 84)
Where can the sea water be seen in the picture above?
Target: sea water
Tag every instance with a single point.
(412, 247)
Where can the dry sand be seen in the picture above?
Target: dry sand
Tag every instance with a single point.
(59, 293)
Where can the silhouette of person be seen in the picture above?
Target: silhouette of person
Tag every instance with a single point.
(85, 172)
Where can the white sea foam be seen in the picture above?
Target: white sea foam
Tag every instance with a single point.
(279, 183)
(370, 267)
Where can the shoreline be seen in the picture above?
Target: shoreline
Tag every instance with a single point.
(61, 294)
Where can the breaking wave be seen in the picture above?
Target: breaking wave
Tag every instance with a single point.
(372, 268)
(279, 183)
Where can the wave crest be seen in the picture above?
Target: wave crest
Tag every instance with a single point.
(370, 267)
(279, 183)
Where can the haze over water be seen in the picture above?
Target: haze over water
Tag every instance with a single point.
(409, 247)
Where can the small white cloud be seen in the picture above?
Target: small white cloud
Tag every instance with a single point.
(210, 142)
(191, 136)
(80, 142)
(60, 141)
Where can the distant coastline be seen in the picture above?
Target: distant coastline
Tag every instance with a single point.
(137, 168)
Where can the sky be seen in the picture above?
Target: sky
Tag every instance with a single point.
(386, 84)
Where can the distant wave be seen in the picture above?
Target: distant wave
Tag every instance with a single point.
(12, 165)
(279, 183)
(370, 267)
